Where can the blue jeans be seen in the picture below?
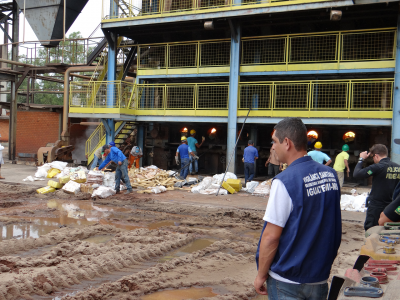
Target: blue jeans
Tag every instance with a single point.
(96, 161)
(185, 171)
(122, 171)
(195, 163)
(278, 290)
(248, 172)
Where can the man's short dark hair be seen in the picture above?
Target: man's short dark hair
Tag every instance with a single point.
(250, 142)
(293, 129)
(379, 149)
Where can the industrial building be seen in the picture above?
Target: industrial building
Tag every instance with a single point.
(166, 67)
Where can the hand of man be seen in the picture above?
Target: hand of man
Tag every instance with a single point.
(177, 160)
(259, 285)
(242, 159)
(203, 138)
(348, 173)
(120, 163)
(96, 169)
(364, 154)
(195, 157)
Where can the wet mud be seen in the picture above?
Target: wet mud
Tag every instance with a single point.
(133, 248)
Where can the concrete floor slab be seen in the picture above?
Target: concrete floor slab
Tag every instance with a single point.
(14, 173)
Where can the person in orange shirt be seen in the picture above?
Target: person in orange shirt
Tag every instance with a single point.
(134, 157)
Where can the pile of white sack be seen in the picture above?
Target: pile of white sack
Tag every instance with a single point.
(75, 180)
(210, 185)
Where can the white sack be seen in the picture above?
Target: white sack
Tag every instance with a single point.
(109, 179)
(250, 187)
(217, 178)
(29, 178)
(72, 187)
(353, 203)
(60, 165)
(214, 192)
(158, 189)
(204, 184)
(103, 192)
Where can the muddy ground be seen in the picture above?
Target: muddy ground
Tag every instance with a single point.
(133, 247)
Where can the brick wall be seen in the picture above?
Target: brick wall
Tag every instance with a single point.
(4, 130)
(36, 129)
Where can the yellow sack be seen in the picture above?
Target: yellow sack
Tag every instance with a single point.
(63, 180)
(52, 172)
(46, 190)
(55, 184)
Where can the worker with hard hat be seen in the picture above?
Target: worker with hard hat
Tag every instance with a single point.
(185, 152)
(341, 163)
(194, 144)
(319, 156)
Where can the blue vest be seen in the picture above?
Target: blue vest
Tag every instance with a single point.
(312, 235)
(184, 151)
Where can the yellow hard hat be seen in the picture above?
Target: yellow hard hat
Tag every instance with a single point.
(318, 145)
(183, 138)
(192, 131)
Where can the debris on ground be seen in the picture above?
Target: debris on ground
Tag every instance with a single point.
(151, 177)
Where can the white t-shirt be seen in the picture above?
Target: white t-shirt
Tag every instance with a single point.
(136, 151)
(279, 207)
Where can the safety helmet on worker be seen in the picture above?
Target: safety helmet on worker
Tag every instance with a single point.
(183, 139)
(192, 132)
(318, 145)
(345, 147)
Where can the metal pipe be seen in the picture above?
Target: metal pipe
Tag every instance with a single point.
(65, 133)
(15, 63)
(395, 148)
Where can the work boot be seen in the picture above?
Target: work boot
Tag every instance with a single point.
(128, 192)
(118, 192)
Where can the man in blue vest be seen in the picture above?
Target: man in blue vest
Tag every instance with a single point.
(184, 151)
(302, 230)
(116, 155)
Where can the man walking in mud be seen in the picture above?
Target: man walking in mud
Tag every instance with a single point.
(302, 230)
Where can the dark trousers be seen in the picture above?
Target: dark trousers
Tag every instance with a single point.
(373, 213)
(248, 172)
(273, 170)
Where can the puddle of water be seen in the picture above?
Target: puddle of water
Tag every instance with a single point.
(191, 293)
(158, 225)
(23, 231)
(189, 248)
(99, 239)
(68, 205)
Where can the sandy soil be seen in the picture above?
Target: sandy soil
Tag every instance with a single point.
(133, 247)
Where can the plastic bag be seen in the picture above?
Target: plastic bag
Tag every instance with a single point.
(158, 189)
(103, 192)
(58, 165)
(42, 171)
(29, 178)
(63, 179)
(72, 187)
(79, 176)
(52, 172)
(214, 192)
(250, 187)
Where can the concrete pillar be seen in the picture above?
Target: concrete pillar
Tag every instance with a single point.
(395, 148)
(233, 96)
(13, 105)
(140, 140)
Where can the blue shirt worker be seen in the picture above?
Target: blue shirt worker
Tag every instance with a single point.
(303, 227)
(249, 157)
(185, 152)
(116, 155)
(319, 156)
(194, 144)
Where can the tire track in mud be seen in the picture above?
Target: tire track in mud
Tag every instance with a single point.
(159, 278)
(70, 263)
